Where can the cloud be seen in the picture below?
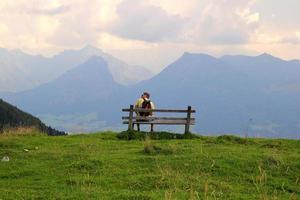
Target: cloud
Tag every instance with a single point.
(292, 39)
(49, 25)
(223, 22)
(219, 22)
(140, 20)
(163, 28)
(49, 11)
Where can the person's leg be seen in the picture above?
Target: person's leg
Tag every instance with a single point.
(152, 126)
(137, 120)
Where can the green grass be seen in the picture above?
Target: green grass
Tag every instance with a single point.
(100, 166)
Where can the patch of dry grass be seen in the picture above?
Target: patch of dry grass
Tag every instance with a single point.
(21, 131)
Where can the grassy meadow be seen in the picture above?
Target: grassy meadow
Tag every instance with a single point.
(101, 166)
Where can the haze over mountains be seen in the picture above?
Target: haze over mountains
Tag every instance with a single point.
(21, 71)
(231, 94)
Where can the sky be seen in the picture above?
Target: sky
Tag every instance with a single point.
(152, 33)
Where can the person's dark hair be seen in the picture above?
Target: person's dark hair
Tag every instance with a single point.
(147, 94)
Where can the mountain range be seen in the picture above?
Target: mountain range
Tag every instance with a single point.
(233, 94)
(21, 71)
(253, 95)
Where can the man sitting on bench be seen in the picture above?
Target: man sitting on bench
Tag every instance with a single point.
(145, 103)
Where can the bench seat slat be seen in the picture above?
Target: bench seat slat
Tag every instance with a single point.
(158, 118)
(175, 122)
(157, 110)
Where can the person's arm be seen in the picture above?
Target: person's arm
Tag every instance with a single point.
(138, 104)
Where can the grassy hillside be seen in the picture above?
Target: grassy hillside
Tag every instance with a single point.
(11, 117)
(100, 166)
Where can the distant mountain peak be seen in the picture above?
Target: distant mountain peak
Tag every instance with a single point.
(265, 55)
(95, 64)
(188, 55)
(89, 47)
(196, 54)
(94, 68)
(97, 61)
(268, 56)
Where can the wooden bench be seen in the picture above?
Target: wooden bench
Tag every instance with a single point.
(187, 120)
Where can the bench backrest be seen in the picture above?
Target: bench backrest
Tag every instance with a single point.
(187, 120)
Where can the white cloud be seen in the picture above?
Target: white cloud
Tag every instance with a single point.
(253, 18)
(48, 11)
(164, 28)
(214, 21)
(52, 25)
(292, 39)
(140, 20)
(223, 22)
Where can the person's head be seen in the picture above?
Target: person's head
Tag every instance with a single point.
(146, 95)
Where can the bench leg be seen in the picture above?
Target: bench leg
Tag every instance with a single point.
(138, 127)
(152, 127)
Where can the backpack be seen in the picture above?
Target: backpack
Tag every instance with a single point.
(146, 105)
